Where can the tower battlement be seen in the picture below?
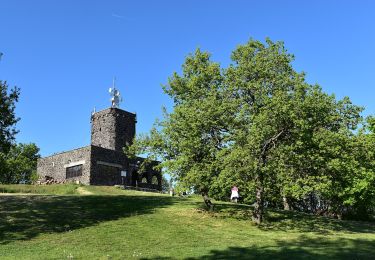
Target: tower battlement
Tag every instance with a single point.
(113, 128)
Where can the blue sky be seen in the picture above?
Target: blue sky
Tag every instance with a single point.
(64, 54)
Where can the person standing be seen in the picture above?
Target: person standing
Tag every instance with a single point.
(234, 196)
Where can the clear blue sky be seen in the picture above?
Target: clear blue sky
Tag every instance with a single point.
(64, 54)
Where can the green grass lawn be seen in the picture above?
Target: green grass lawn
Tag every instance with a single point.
(116, 224)
(55, 189)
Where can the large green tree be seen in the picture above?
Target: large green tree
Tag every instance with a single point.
(259, 125)
(17, 161)
(19, 164)
(267, 91)
(312, 171)
(188, 139)
(8, 119)
(291, 136)
(358, 195)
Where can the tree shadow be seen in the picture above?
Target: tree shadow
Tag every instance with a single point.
(280, 220)
(236, 211)
(291, 220)
(24, 217)
(301, 248)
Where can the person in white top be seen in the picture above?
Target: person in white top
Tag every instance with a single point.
(234, 196)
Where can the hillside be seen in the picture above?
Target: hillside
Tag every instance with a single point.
(59, 222)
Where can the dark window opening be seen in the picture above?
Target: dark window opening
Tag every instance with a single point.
(155, 180)
(74, 171)
(134, 178)
(109, 170)
(108, 175)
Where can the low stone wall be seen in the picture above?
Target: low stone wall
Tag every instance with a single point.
(141, 189)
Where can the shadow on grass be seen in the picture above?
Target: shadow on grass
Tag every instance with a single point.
(291, 220)
(301, 248)
(280, 220)
(24, 217)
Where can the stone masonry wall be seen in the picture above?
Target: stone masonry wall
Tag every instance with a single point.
(107, 175)
(102, 161)
(55, 165)
(106, 166)
(112, 128)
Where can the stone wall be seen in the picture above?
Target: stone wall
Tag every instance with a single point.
(112, 128)
(144, 179)
(102, 161)
(103, 164)
(55, 165)
(105, 161)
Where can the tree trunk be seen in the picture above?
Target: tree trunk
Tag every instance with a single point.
(207, 201)
(259, 179)
(259, 205)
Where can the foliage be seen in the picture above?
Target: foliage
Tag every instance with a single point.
(359, 195)
(19, 164)
(17, 161)
(193, 134)
(8, 118)
(260, 126)
(165, 184)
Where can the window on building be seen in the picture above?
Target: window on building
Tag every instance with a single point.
(74, 171)
(144, 180)
(109, 170)
(155, 180)
(108, 175)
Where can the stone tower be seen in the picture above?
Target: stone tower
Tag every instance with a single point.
(113, 128)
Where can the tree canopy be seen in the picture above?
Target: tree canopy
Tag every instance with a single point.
(259, 125)
(17, 161)
(8, 119)
(19, 164)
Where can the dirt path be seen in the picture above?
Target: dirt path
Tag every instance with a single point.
(83, 191)
(17, 194)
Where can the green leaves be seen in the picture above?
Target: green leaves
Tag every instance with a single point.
(8, 119)
(258, 125)
(19, 164)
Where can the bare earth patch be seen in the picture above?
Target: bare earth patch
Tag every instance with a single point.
(83, 191)
(17, 194)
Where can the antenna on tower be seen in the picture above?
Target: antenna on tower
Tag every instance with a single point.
(115, 95)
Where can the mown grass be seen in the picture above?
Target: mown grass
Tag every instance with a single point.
(110, 190)
(56, 189)
(117, 224)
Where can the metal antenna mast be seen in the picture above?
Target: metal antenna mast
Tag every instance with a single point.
(115, 95)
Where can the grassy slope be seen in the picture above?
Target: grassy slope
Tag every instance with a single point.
(116, 224)
(55, 189)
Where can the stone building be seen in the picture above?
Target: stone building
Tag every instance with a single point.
(103, 162)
